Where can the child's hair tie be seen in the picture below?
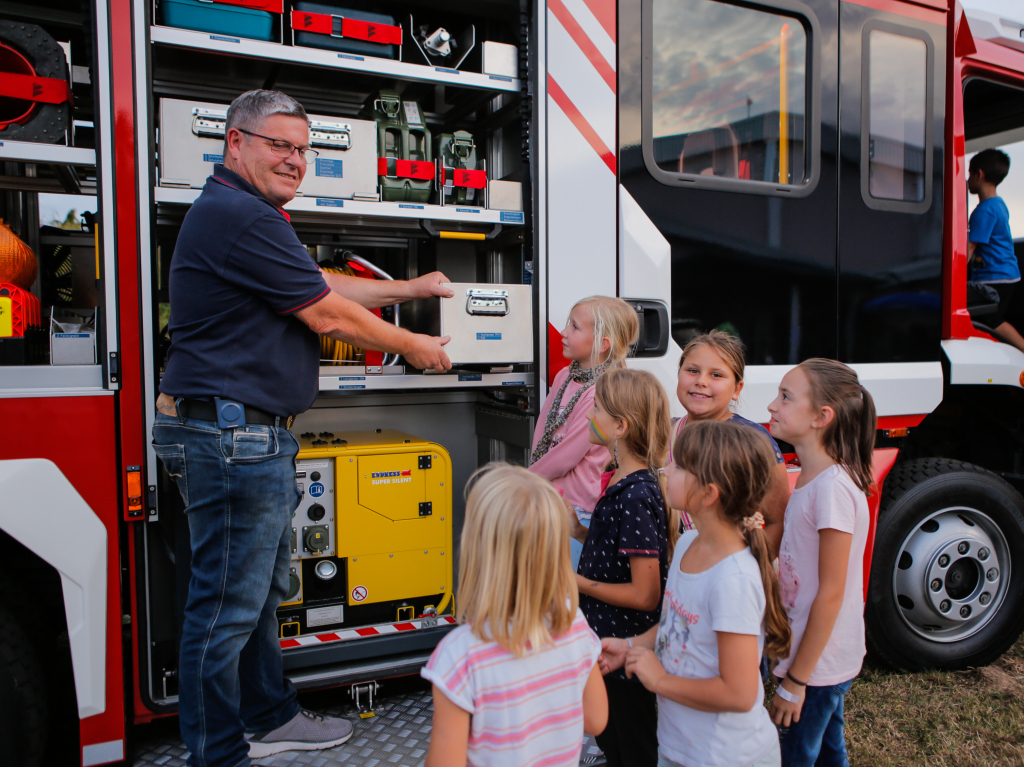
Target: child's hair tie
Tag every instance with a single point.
(753, 522)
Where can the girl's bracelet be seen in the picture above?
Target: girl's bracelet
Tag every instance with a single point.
(794, 680)
(785, 694)
(629, 642)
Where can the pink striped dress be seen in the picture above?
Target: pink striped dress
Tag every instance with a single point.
(525, 711)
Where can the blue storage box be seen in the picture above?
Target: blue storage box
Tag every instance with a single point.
(324, 38)
(222, 18)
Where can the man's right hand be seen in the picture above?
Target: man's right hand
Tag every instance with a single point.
(427, 353)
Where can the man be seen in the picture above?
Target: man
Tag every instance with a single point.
(247, 303)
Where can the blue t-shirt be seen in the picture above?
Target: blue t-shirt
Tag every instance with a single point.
(237, 275)
(989, 229)
(628, 521)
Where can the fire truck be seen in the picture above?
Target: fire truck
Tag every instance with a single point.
(792, 171)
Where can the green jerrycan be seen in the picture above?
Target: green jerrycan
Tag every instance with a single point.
(405, 156)
(462, 177)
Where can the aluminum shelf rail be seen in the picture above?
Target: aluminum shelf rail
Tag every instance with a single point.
(337, 380)
(402, 70)
(25, 151)
(329, 206)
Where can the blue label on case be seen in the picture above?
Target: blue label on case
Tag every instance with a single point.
(513, 383)
(350, 56)
(351, 378)
(407, 205)
(71, 335)
(213, 158)
(352, 386)
(446, 70)
(225, 39)
(329, 168)
(330, 203)
(467, 210)
(502, 78)
(488, 336)
(470, 377)
(511, 217)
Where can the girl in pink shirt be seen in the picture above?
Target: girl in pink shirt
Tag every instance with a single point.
(829, 418)
(596, 338)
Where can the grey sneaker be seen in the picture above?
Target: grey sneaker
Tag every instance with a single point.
(307, 731)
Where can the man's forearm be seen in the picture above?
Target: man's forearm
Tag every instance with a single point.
(367, 331)
(370, 294)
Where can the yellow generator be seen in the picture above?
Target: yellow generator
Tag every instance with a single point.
(372, 534)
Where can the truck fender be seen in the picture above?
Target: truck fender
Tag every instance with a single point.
(74, 542)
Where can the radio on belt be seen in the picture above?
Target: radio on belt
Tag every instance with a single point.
(488, 323)
(192, 140)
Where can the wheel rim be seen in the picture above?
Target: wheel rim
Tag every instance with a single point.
(951, 574)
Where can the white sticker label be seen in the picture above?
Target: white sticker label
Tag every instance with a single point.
(412, 113)
(359, 594)
(324, 616)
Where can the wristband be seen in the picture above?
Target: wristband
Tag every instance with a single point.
(785, 694)
(629, 642)
(794, 680)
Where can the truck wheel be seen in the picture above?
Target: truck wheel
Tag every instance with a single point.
(947, 576)
(22, 697)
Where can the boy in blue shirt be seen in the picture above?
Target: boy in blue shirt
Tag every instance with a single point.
(992, 260)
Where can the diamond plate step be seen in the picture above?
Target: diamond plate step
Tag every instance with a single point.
(398, 735)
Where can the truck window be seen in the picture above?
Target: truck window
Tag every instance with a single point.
(898, 144)
(727, 95)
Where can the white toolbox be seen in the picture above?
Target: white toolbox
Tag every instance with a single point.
(192, 140)
(488, 323)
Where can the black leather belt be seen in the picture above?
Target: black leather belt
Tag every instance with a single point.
(207, 411)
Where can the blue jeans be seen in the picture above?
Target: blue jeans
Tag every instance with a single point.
(239, 490)
(817, 739)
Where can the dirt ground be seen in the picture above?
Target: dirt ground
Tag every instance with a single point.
(969, 718)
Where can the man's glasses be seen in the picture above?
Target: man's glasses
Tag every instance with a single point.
(284, 149)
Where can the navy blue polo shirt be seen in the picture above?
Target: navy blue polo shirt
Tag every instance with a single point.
(238, 274)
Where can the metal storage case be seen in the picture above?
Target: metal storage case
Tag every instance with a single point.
(192, 140)
(488, 323)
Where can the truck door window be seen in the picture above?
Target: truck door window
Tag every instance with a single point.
(897, 90)
(727, 96)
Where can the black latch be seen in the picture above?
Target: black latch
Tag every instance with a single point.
(425, 462)
(426, 508)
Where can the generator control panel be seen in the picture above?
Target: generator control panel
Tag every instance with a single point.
(313, 520)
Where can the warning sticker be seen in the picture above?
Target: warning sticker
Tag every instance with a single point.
(412, 113)
(359, 594)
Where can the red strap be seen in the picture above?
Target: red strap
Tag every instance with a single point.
(470, 179)
(417, 169)
(47, 90)
(324, 24)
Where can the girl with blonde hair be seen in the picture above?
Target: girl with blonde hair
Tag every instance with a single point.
(517, 682)
(597, 337)
(627, 549)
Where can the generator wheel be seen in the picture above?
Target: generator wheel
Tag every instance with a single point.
(947, 576)
(47, 123)
(23, 710)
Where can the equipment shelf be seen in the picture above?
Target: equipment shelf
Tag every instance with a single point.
(40, 380)
(25, 151)
(328, 206)
(402, 70)
(337, 380)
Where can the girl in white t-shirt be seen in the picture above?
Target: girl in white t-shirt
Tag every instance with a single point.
(721, 607)
(829, 418)
(518, 681)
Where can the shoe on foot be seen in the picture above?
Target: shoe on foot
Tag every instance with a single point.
(306, 731)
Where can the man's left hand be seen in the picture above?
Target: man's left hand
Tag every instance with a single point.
(430, 285)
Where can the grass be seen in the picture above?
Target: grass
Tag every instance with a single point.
(969, 718)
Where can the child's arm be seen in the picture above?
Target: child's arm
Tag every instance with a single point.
(643, 592)
(450, 734)
(614, 649)
(576, 529)
(775, 508)
(564, 457)
(833, 559)
(595, 703)
(734, 689)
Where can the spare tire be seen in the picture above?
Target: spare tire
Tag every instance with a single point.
(947, 574)
(33, 121)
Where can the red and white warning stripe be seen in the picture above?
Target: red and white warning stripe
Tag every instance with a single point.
(348, 635)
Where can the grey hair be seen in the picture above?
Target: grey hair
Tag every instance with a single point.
(250, 110)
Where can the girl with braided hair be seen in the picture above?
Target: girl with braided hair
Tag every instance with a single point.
(597, 337)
